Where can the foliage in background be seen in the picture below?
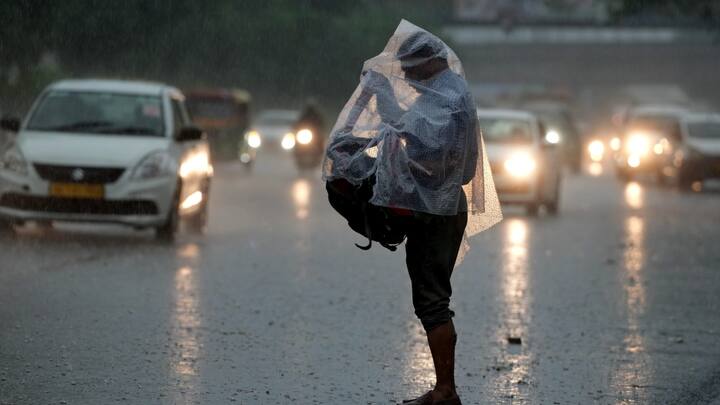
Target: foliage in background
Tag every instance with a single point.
(281, 50)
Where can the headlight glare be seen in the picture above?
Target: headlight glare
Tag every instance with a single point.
(304, 136)
(253, 139)
(288, 141)
(520, 165)
(553, 136)
(638, 144)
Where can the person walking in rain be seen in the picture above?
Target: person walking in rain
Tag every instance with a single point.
(411, 129)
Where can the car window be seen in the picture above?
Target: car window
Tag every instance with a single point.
(705, 130)
(180, 115)
(98, 113)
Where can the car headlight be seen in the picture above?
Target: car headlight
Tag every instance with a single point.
(553, 136)
(14, 161)
(638, 144)
(615, 143)
(198, 163)
(253, 139)
(304, 136)
(596, 149)
(520, 165)
(156, 164)
(288, 141)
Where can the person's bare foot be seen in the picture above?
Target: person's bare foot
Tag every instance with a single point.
(435, 397)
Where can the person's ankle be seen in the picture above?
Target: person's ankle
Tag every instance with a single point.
(444, 392)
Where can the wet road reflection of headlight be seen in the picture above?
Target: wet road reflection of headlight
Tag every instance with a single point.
(304, 136)
(288, 141)
(520, 165)
(253, 139)
(596, 149)
(553, 136)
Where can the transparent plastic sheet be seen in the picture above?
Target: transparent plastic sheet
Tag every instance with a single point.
(418, 133)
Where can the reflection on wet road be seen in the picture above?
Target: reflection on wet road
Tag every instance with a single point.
(516, 303)
(185, 323)
(612, 302)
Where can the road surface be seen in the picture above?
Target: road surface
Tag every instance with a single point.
(615, 301)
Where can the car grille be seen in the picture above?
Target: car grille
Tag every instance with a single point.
(75, 174)
(78, 206)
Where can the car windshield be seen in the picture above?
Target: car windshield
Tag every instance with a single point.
(506, 130)
(706, 130)
(211, 108)
(277, 118)
(656, 123)
(98, 113)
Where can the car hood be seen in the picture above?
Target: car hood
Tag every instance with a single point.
(273, 132)
(499, 153)
(61, 148)
(705, 146)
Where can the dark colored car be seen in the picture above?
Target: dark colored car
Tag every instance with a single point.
(561, 129)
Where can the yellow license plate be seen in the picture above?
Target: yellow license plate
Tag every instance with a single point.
(70, 190)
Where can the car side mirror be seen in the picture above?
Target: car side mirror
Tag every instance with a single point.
(189, 133)
(10, 124)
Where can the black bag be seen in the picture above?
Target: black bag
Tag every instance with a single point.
(378, 224)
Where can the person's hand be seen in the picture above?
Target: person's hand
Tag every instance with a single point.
(374, 82)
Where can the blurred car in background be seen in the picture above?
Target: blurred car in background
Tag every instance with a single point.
(561, 129)
(107, 151)
(224, 115)
(698, 157)
(649, 137)
(273, 129)
(525, 166)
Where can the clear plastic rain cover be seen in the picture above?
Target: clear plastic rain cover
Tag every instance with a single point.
(412, 123)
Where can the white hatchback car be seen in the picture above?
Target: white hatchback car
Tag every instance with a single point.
(526, 168)
(106, 151)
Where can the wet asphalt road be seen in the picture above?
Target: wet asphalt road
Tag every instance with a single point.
(616, 301)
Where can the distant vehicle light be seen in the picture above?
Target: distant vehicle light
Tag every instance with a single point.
(245, 158)
(288, 141)
(553, 136)
(596, 149)
(633, 161)
(254, 140)
(638, 144)
(304, 136)
(615, 143)
(520, 165)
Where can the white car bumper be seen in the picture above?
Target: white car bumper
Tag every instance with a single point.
(513, 190)
(136, 203)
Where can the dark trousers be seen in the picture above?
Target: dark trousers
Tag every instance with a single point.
(433, 242)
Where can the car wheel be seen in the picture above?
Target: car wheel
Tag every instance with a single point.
(532, 209)
(685, 182)
(553, 205)
(167, 231)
